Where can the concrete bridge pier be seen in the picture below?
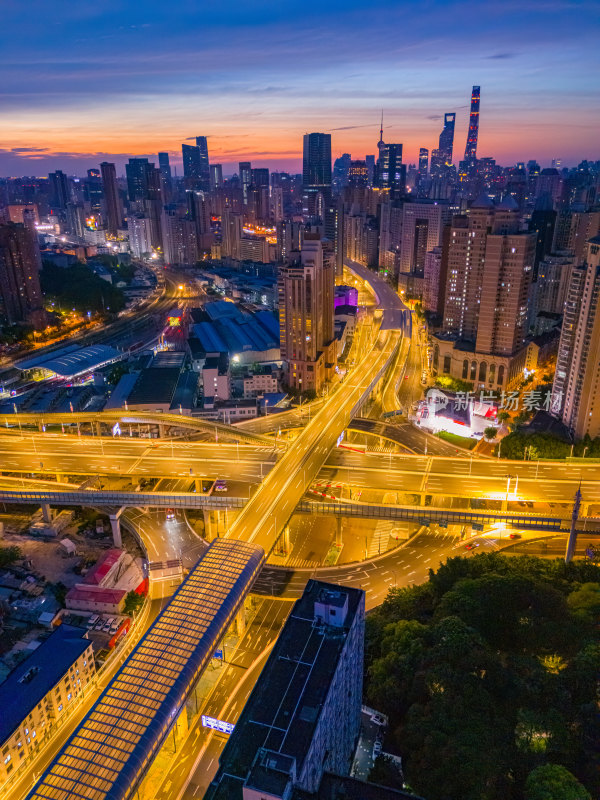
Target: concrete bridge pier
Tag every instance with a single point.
(338, 531)
(240, 621)
(98, 426)
(115, 524)
(46, 513)
(283, 545)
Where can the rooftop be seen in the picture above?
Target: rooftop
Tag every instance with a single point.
(33, 678)
(285, 706)
(154, 385)
(74, 362)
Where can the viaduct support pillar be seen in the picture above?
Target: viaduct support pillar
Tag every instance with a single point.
(338, 531)
(116, 530)
(46, 513)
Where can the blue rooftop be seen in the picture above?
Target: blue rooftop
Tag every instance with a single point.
(33, 678)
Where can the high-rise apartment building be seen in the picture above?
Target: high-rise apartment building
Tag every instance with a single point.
(232, 230)
(165, 174)
(112, 201)
(20, 264)
(473, 134)
(422, 227)
(576, 389)
(315, 673)
(316, 174)
(180, 245)
(306, 297)
(140, 235)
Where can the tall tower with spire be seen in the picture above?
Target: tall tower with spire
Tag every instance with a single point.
(380, 143)
(471, 148)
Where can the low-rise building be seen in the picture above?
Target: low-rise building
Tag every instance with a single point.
(261, 383)
(315, 672)
(38, 692)
(84, 597)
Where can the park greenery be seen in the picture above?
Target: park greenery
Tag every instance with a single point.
(79, 288)
(8, 555)
(521, 445)
(488, 674)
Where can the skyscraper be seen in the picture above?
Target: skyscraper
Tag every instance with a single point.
(422, 224)
(165, 172)
(471, 148)
(391, 171)
(306, 296)
(576, 389)
(20, 264)
(191, 165)
(423, 162)
(137, 182)
(112, 201)
(216, 176)
(245, 168)
(446, 140)
(60, 194)
(204, 177)
(316, 174)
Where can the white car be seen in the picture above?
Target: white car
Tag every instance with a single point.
(92, 621)
(220, 486)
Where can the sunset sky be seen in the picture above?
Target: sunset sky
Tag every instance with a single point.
(86, 82)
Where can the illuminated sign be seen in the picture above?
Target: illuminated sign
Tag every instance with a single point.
(116, 429)
(217, 724)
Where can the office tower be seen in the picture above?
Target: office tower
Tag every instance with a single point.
(422, 225)
(112, 201)
(204, 165)
(136, 172)
(306, 295)
(390, 170)
(165, 167)
(542, 223)
(216, 176)
(316, 174)
(507, 274)
(140, 236)
(549, 182)
(59, 193)
(191, 165)
(423, 162)
(153, 202)
(166, 176)
(245, 176)
(576, 389)
(232, 229)
(93, 190)
(341, 168)
(20, 264)
(259, 176)
(75, 219)
(446, 140)
(303, 716)
(370, 162)
(180, 245)
(358, 174)
(471, 147)
(199, 210)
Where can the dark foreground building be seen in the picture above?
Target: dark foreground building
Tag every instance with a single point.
(303, 717)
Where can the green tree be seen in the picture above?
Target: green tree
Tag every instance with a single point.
(554, 782)
(490, 433)
(503, 416)
(385, 772)
(585, 601)
(133, 603)
(8, 555)
(80, 288)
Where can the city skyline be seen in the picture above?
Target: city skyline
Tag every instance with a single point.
(132, 85)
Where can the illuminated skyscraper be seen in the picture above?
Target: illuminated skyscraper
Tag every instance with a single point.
(112, 201)
(202, 145)
(391, 171)
(137, 178)
(316, 174)
(471, 148)
(60, 189)
(423, 162)
(216, 176)
(245, 179)
(165, 171)
(446, 140)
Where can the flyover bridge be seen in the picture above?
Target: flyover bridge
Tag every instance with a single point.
(126, 417)
(111, 749)
(187, 500)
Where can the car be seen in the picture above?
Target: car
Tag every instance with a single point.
(406, 377)
(92, 621)
(514, 535)
(378, 719)
(107, 624)
(100, 624)
(220, 486)
(115, 626)
(471, 545)
(170, 513)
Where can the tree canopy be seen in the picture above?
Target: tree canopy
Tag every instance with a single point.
(488, 672)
